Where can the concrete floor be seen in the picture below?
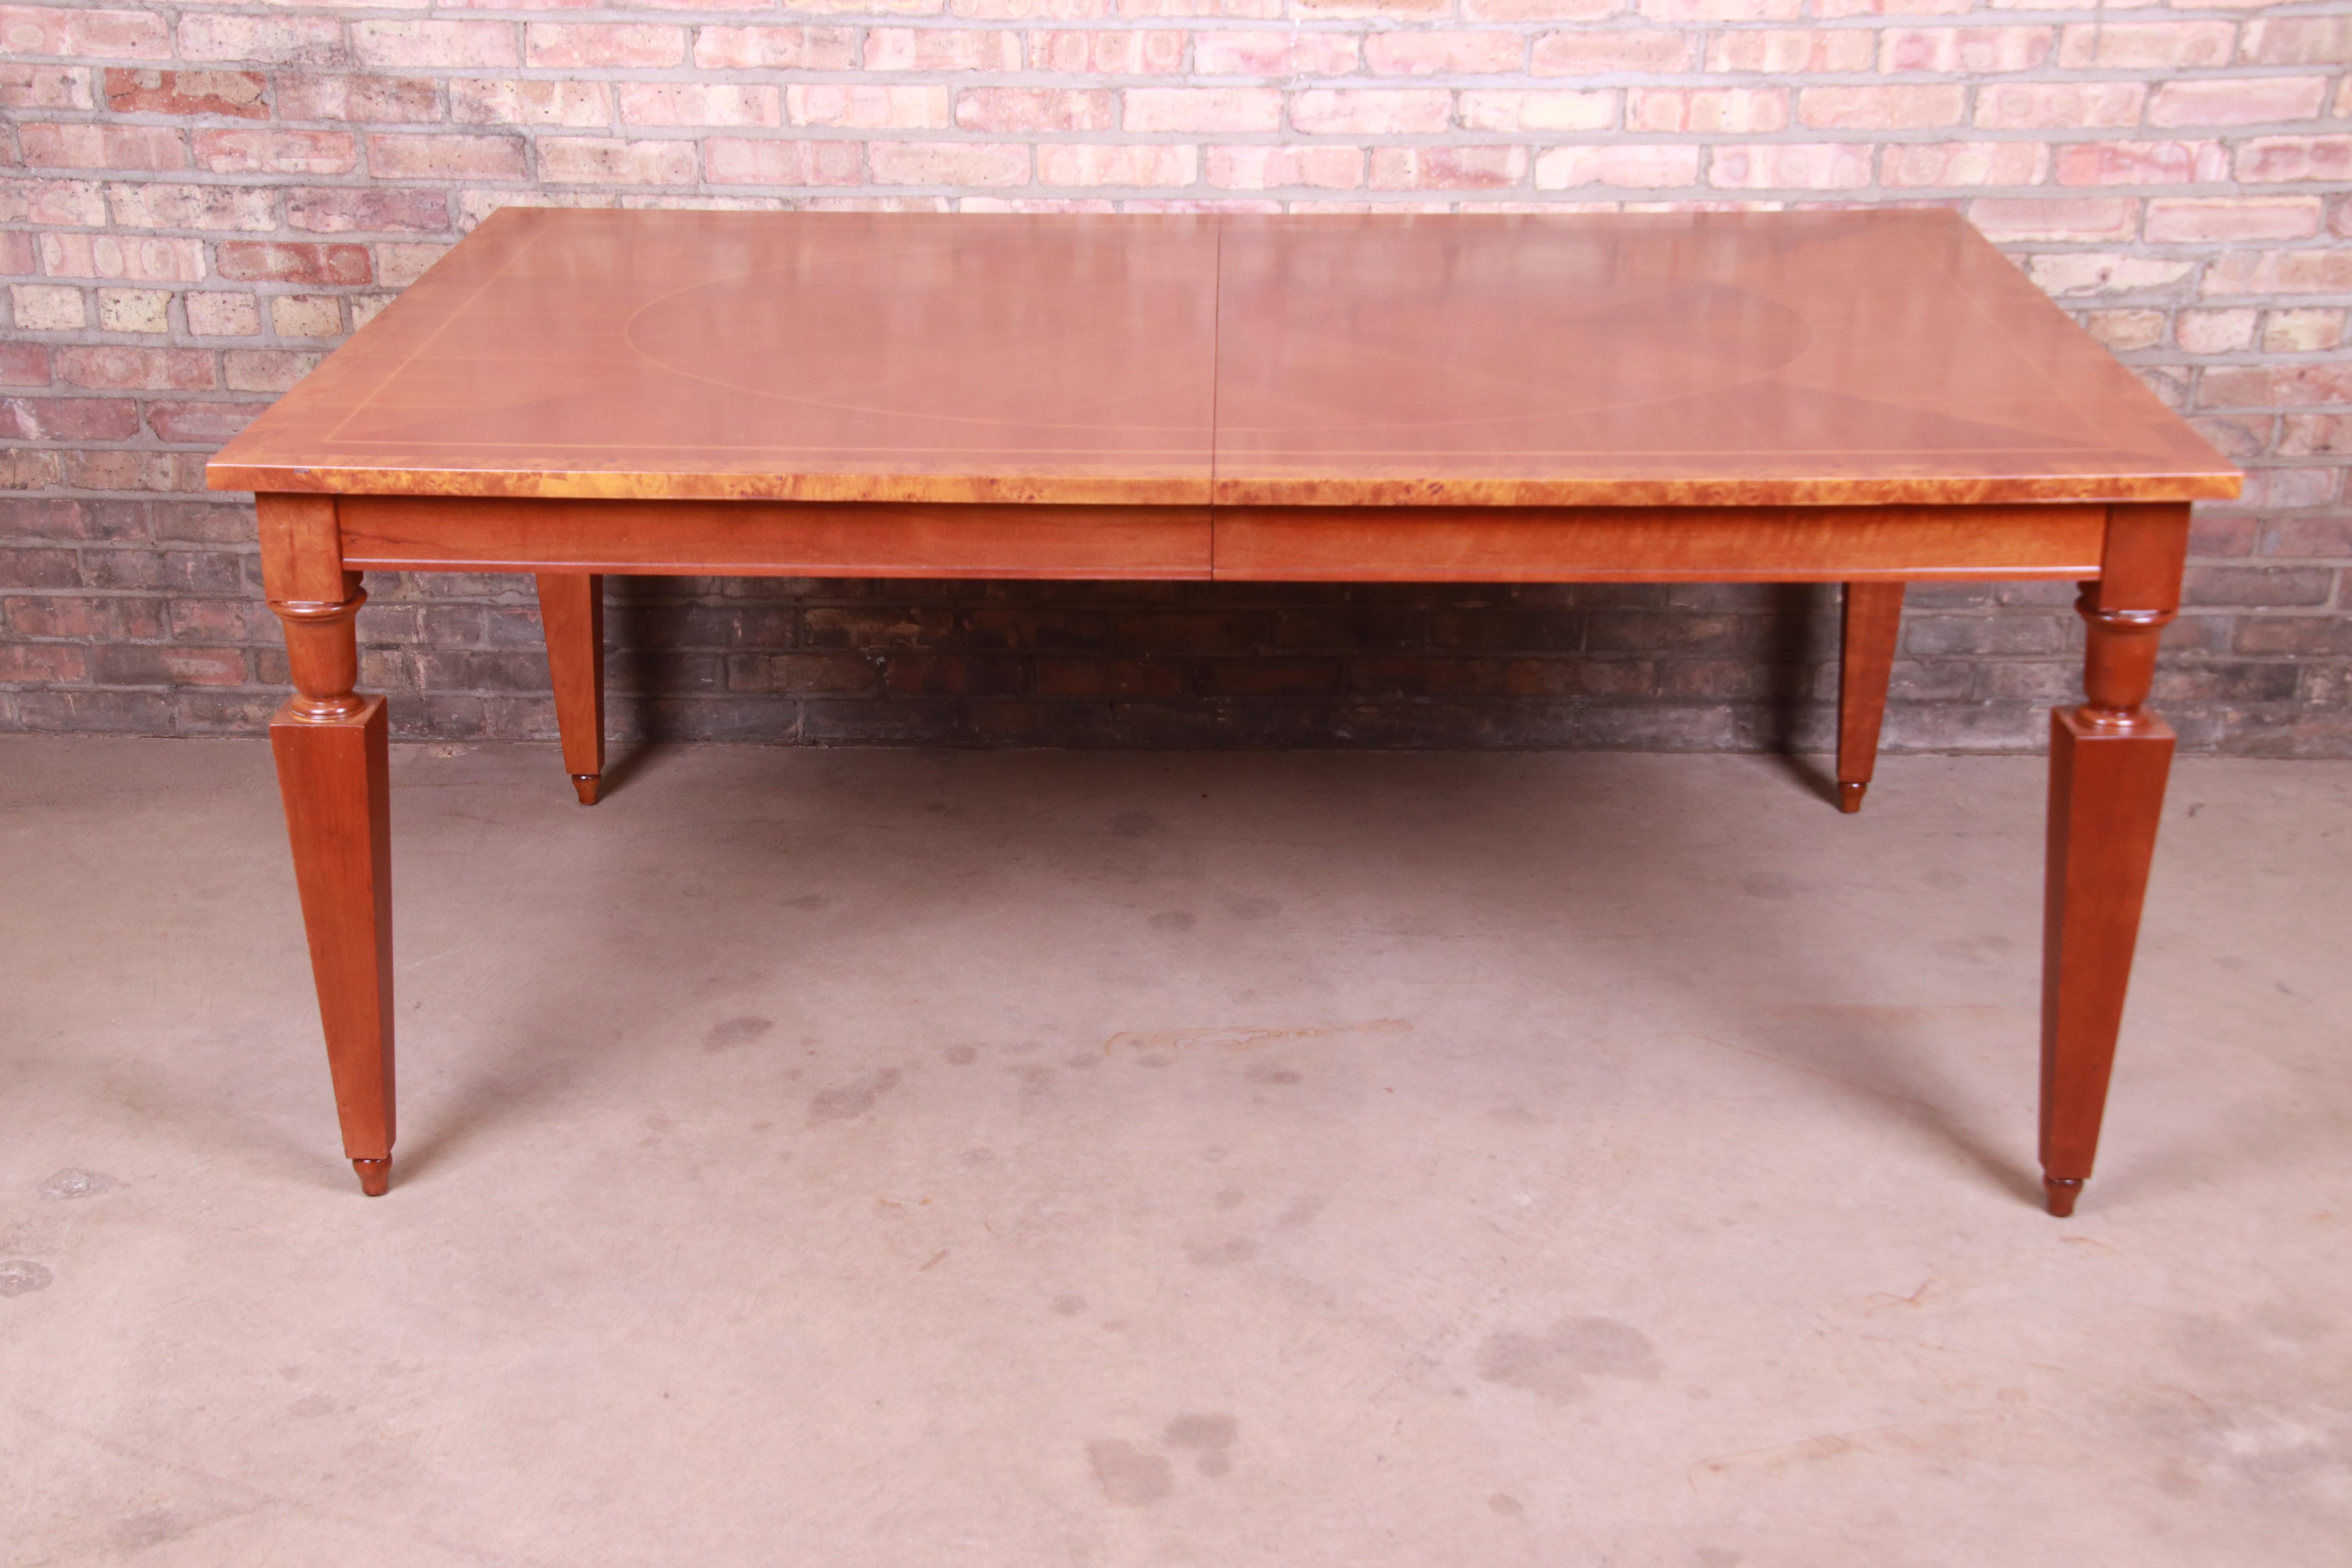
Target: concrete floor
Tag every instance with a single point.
(874, 1158)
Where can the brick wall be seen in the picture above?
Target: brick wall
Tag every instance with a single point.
(198, 201)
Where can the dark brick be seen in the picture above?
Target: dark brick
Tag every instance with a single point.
(1108, 678)
(39, 569)
(48, 662)
(876, 628)
(1927, 635)
(208, 423)
(1268, 677)
(2292, 635)
(1425, 676)
(1562, 677)
(119, 712)
(1522, 631)
(827, 674)
(167, 664)
(954, 675)
(2257, 586)
(2308, 537)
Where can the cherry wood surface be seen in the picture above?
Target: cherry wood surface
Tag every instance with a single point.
(1864, 398)
(1532, 360)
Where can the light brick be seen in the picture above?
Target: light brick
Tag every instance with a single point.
(1540, 109)
(1319, 167)
(719, 105)
(1718, 110)
(1092, 163)
(2250, 101)
(776, 48)
(258, 152)
(98, 32)
(1203, 108)
(382, 99)
(561, 46)
(397, 265)
(943, 49)
(1447, 168)
(430, 157)
(1003, 109)
(1108, 52)
(1593, 54)
(747, 160)
(2082, 219)
(1370, 112)
(1881, 108)
(1973, 51)
(1275, 54)
(266, 370)
(2123, 332)
(867, 106)
(1783, 51)
(134, 310)
(24, 85)
(1399, 10)
(1624, 166)
(139, 258)
(2141, 45)
(1539, 10)
(2302, 331)
(306, 316)
(207, 36)
(2214, 331)
(2060, 106)
(2140, 162)
(2318, 40)
(614, 161)
(192, 206)
(343, 209)
(2270, 160)
(2102, 273)
(100, 146)
(1929, 165)
(1806, 166)
(1442, 54)
(223, 315)
(53, 201)
(428, 44)
(49, 307)
(2231, 219)
(1720, 10)
(481, 101)
(2328, 271)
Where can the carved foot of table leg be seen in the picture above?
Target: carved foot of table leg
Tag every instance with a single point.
(375, 1176)
(586, 785)
(2060, 1193)
(1849, 796)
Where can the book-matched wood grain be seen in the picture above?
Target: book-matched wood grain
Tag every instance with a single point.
(1709, 359)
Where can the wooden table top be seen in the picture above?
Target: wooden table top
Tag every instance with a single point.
(1755, 359)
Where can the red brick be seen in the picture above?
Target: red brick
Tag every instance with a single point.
(1001, 108)
(111, 367)
(24, 85)
(1442, 54)
(746, 161)
(1447, 168)
(380, 100)
(265, 370)
(2268, 160)
(69, 418)
(2232, 218)
(157, 204)
(343, 209)
(1590, 54)
(557, 44)
(80, 30)
(47, 662)
(429, 157)
(262, 261)
(24, 365)
(209, 423)
(150, 147)
(277, 151)
(2140, 162)
(2249, 100)
(131, 91)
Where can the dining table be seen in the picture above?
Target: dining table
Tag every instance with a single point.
(1869, 398)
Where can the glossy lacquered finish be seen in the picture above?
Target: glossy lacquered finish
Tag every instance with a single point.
(1866, 399)
(1710, 358)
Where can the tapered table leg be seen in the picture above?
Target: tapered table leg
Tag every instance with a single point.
(572, 608)
(1872, 619)
(2108, 760)
(332, 770)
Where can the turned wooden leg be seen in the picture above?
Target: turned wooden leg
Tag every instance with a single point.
(2108, 759)
(1874, 616)
(571, 608)
(329, 745)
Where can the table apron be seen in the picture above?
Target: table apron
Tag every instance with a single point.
(1421, 544)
